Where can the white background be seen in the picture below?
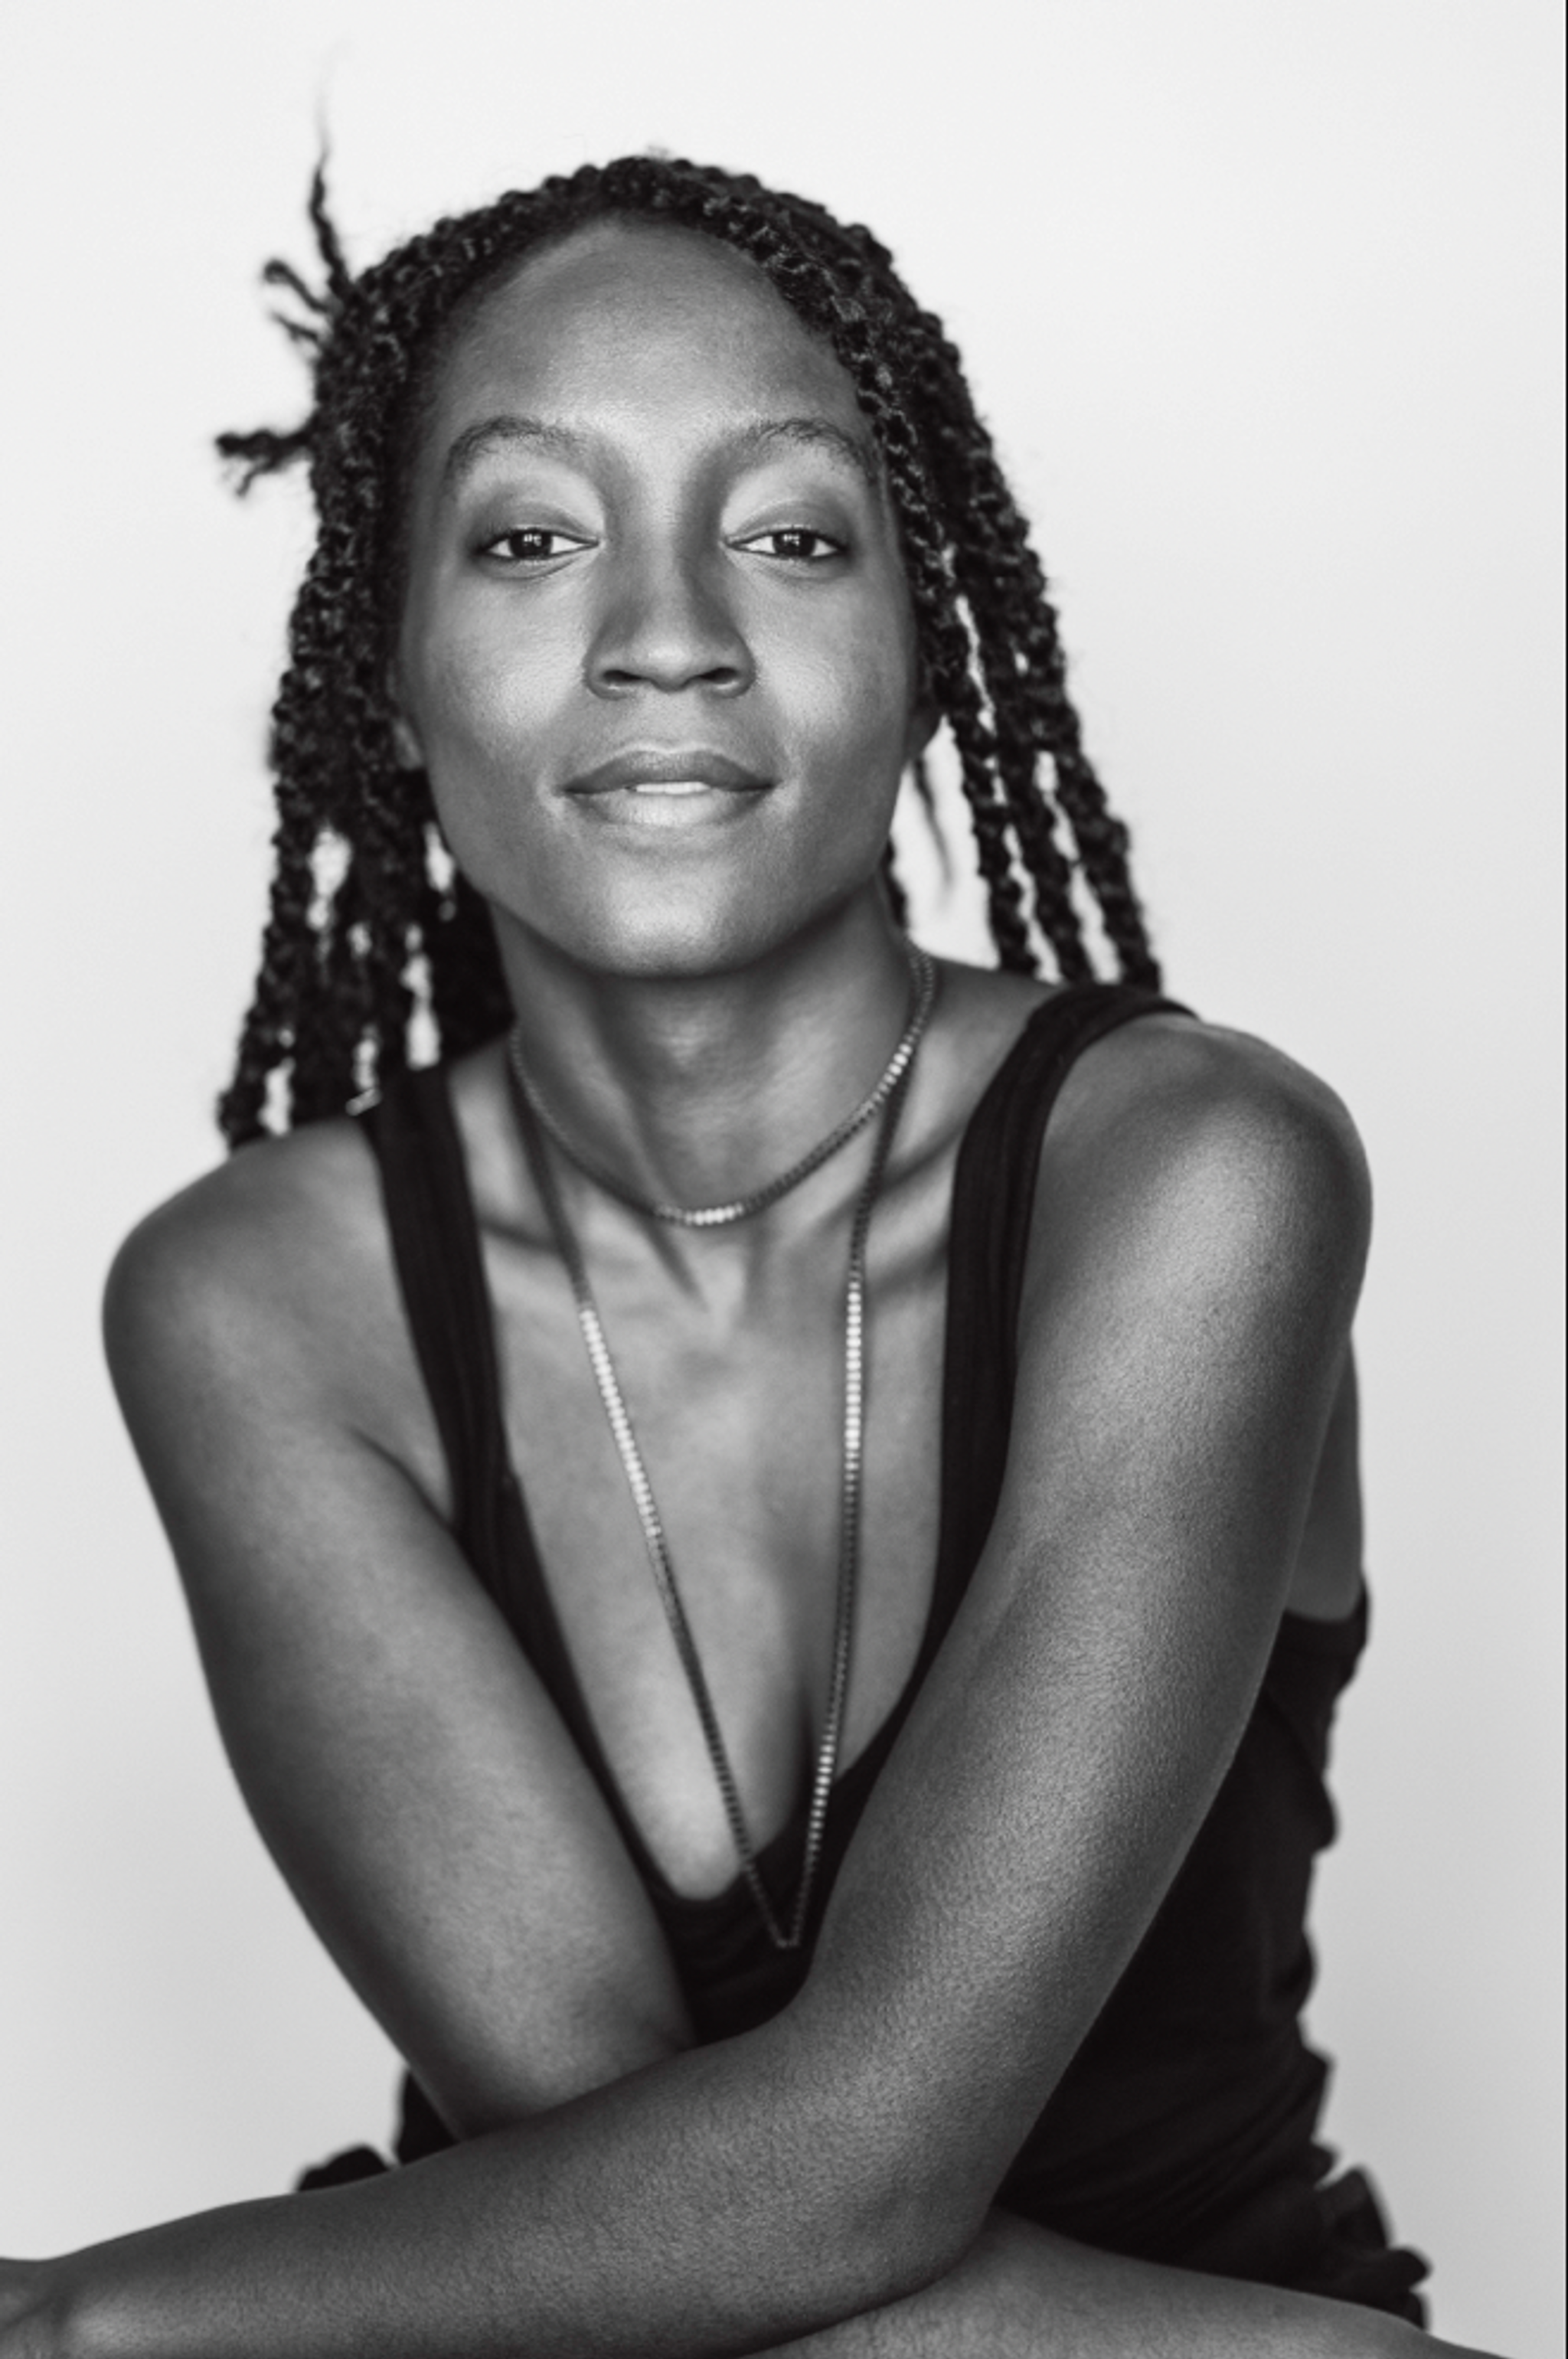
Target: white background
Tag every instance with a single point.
(1260, 299)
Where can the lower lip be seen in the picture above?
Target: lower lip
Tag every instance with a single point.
(685, 803)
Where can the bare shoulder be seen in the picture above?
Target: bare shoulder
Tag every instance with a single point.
(1182, 1142)
(267, 1278)
(1174, 1073)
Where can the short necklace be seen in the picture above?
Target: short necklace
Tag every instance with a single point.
(887, 1097)
(922, 985)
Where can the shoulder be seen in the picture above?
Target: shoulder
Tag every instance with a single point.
(254, 1277)
(1183, 1147)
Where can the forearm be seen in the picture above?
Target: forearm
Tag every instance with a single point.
(1023, 2293)
(252, 2280)
(653, 2217)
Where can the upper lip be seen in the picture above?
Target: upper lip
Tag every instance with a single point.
(658, 765)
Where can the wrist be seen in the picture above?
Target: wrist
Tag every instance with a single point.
(156, 2294)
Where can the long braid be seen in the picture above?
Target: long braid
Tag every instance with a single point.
(468, 990)
(1102, 839)
(356, 909)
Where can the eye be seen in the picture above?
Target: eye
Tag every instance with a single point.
(531, 544)
(796, 544)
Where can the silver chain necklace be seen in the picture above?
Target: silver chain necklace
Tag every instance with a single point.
(887, 1097)
(922, 985)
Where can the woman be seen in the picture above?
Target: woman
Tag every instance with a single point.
(883, 1925)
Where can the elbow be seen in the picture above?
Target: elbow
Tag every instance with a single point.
(914, 2233)
(882, 2249)
(896, 2190)
(890, 2222)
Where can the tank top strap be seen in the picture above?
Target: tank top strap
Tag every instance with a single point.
(435, 1248)
(993, 1206)
(435, 1244)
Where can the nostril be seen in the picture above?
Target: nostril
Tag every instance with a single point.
(667, 645)
(622, 679)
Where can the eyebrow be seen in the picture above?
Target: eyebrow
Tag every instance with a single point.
(850, 449)
(475, 442)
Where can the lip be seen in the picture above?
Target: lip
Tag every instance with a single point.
(664, 765)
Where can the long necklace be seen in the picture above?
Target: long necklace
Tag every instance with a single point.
(887, 1097)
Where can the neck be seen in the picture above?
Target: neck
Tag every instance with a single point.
(698, 1089)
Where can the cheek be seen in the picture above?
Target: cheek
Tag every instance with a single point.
(476, 696)
(466, 721)
(852, 697)
(483, 714)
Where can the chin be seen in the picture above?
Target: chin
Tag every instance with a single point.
(680, 928)
(679, 947)
(667, 937)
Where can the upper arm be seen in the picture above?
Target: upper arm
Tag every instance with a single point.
(1200, 1230)
(396, 1749)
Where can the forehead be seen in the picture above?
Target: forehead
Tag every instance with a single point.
(620, 315)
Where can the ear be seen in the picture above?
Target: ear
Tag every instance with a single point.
(925, 718)
(405, 736)
(405, 745)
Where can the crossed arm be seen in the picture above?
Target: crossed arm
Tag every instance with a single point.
(829, 2176)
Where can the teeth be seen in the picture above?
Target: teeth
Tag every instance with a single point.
(671, 787)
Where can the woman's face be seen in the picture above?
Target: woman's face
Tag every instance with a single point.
(657, 651)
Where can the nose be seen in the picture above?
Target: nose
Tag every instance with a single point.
(668, 625)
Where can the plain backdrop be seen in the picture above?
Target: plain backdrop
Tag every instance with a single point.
(1260, 297)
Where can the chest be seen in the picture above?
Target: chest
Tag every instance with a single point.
(732, 1369)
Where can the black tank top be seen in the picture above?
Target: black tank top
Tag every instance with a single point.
(1184, 2128)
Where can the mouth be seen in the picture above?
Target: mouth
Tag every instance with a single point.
(667, 773)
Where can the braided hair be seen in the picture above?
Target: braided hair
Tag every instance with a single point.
(369, 920)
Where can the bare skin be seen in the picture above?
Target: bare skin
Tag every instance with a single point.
(707, 983)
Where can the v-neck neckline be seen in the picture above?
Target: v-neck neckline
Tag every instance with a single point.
(561, 1678)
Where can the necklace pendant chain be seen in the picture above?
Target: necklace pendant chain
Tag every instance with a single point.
(887, 1099)
(922, 987)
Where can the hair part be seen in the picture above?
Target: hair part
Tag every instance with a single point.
(366, 908)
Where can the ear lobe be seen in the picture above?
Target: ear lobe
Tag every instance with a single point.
(405, 745)
(924, 723)
(405, 738)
